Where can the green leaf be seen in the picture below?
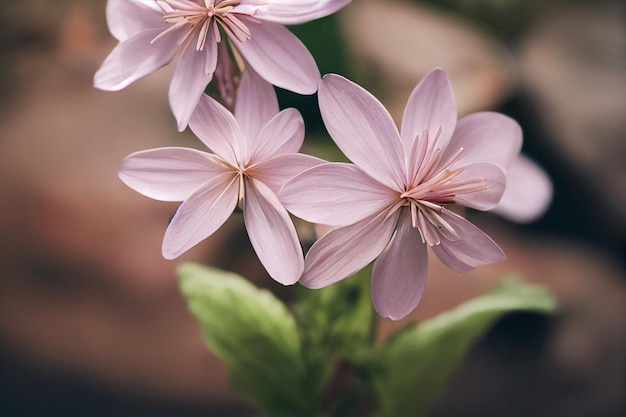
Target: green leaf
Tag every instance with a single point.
(255, 336)
(411, 370)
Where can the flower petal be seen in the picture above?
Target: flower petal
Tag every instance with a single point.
(201, 214)
(272, 233)
(485, 137)
(275, 172)
(400, 272)
(256, 103)
(431, 106)
(217, 128)
(342, 252)
(280, 57)
(127, 18)
(528, 192)
(288, 12)
(193, 72)
(335, 194)
(169, 174)
(490, 177)
(282, 134)
(134, 58)
(363, 130)
(474, 248)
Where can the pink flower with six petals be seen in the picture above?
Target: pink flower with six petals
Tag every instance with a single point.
(152, 32)
(393, 202)
(254, 154)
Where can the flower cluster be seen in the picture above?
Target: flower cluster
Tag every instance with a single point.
(400, 195)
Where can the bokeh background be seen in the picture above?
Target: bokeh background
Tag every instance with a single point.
(91, 320)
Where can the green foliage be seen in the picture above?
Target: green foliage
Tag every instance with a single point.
(412, 369)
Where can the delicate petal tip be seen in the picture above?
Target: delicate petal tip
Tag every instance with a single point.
(287, 13)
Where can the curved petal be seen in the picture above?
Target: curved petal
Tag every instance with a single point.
(485, 137)
(363, 130)
(272, 233)
(400, 272)
(127, 18)
(256, 103)
(194, 71)
(280, 57)
(201, 215)
(474, 248)
(342, 252)
(283, 134)
(431, 106)
(490, 180)
(275, 172)
(528, 192)
(134, 58)
(335, 194)
(288, 12)
(217, 128)
(169, 174)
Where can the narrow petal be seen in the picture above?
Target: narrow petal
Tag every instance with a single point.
(201, 215)
(342, 252)
(282, 134)
(127, 18)
(400, 272)
(335, 194)
(474, 248)
(288, 12)
(169, 174)
(256, 103)
(272, 233)
(490, 177)
(485, 137)
(217, 128)
(431, 106)
(528, 192)
(280, 57)
(193, 72)
(275, 172)
(363, 130)
(134, 58)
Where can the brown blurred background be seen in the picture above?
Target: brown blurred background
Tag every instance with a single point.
(91, 321)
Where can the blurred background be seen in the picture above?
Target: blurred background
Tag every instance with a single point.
(91, 320)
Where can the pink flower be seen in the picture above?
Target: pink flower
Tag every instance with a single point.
(254, 154)
(396, 199)
(152, 32)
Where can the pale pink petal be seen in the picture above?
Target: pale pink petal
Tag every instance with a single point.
(194, 71)
(127, 18)
(485, 137)
(217, 128)
(272, 233)
(134, 58)
(256, 103)
(400, 272)
(474, 248)
(528, 192)
(289, 12)
(283, 134)
(275, 172)
(363, 130)
(431, 106)
(169, 174)
(489, 176)
(280, 57)
(342, 252)
(335, 194)
(201, 214)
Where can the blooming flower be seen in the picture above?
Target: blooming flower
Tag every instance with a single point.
(254, 155)
(395, 200)
(152, 32)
